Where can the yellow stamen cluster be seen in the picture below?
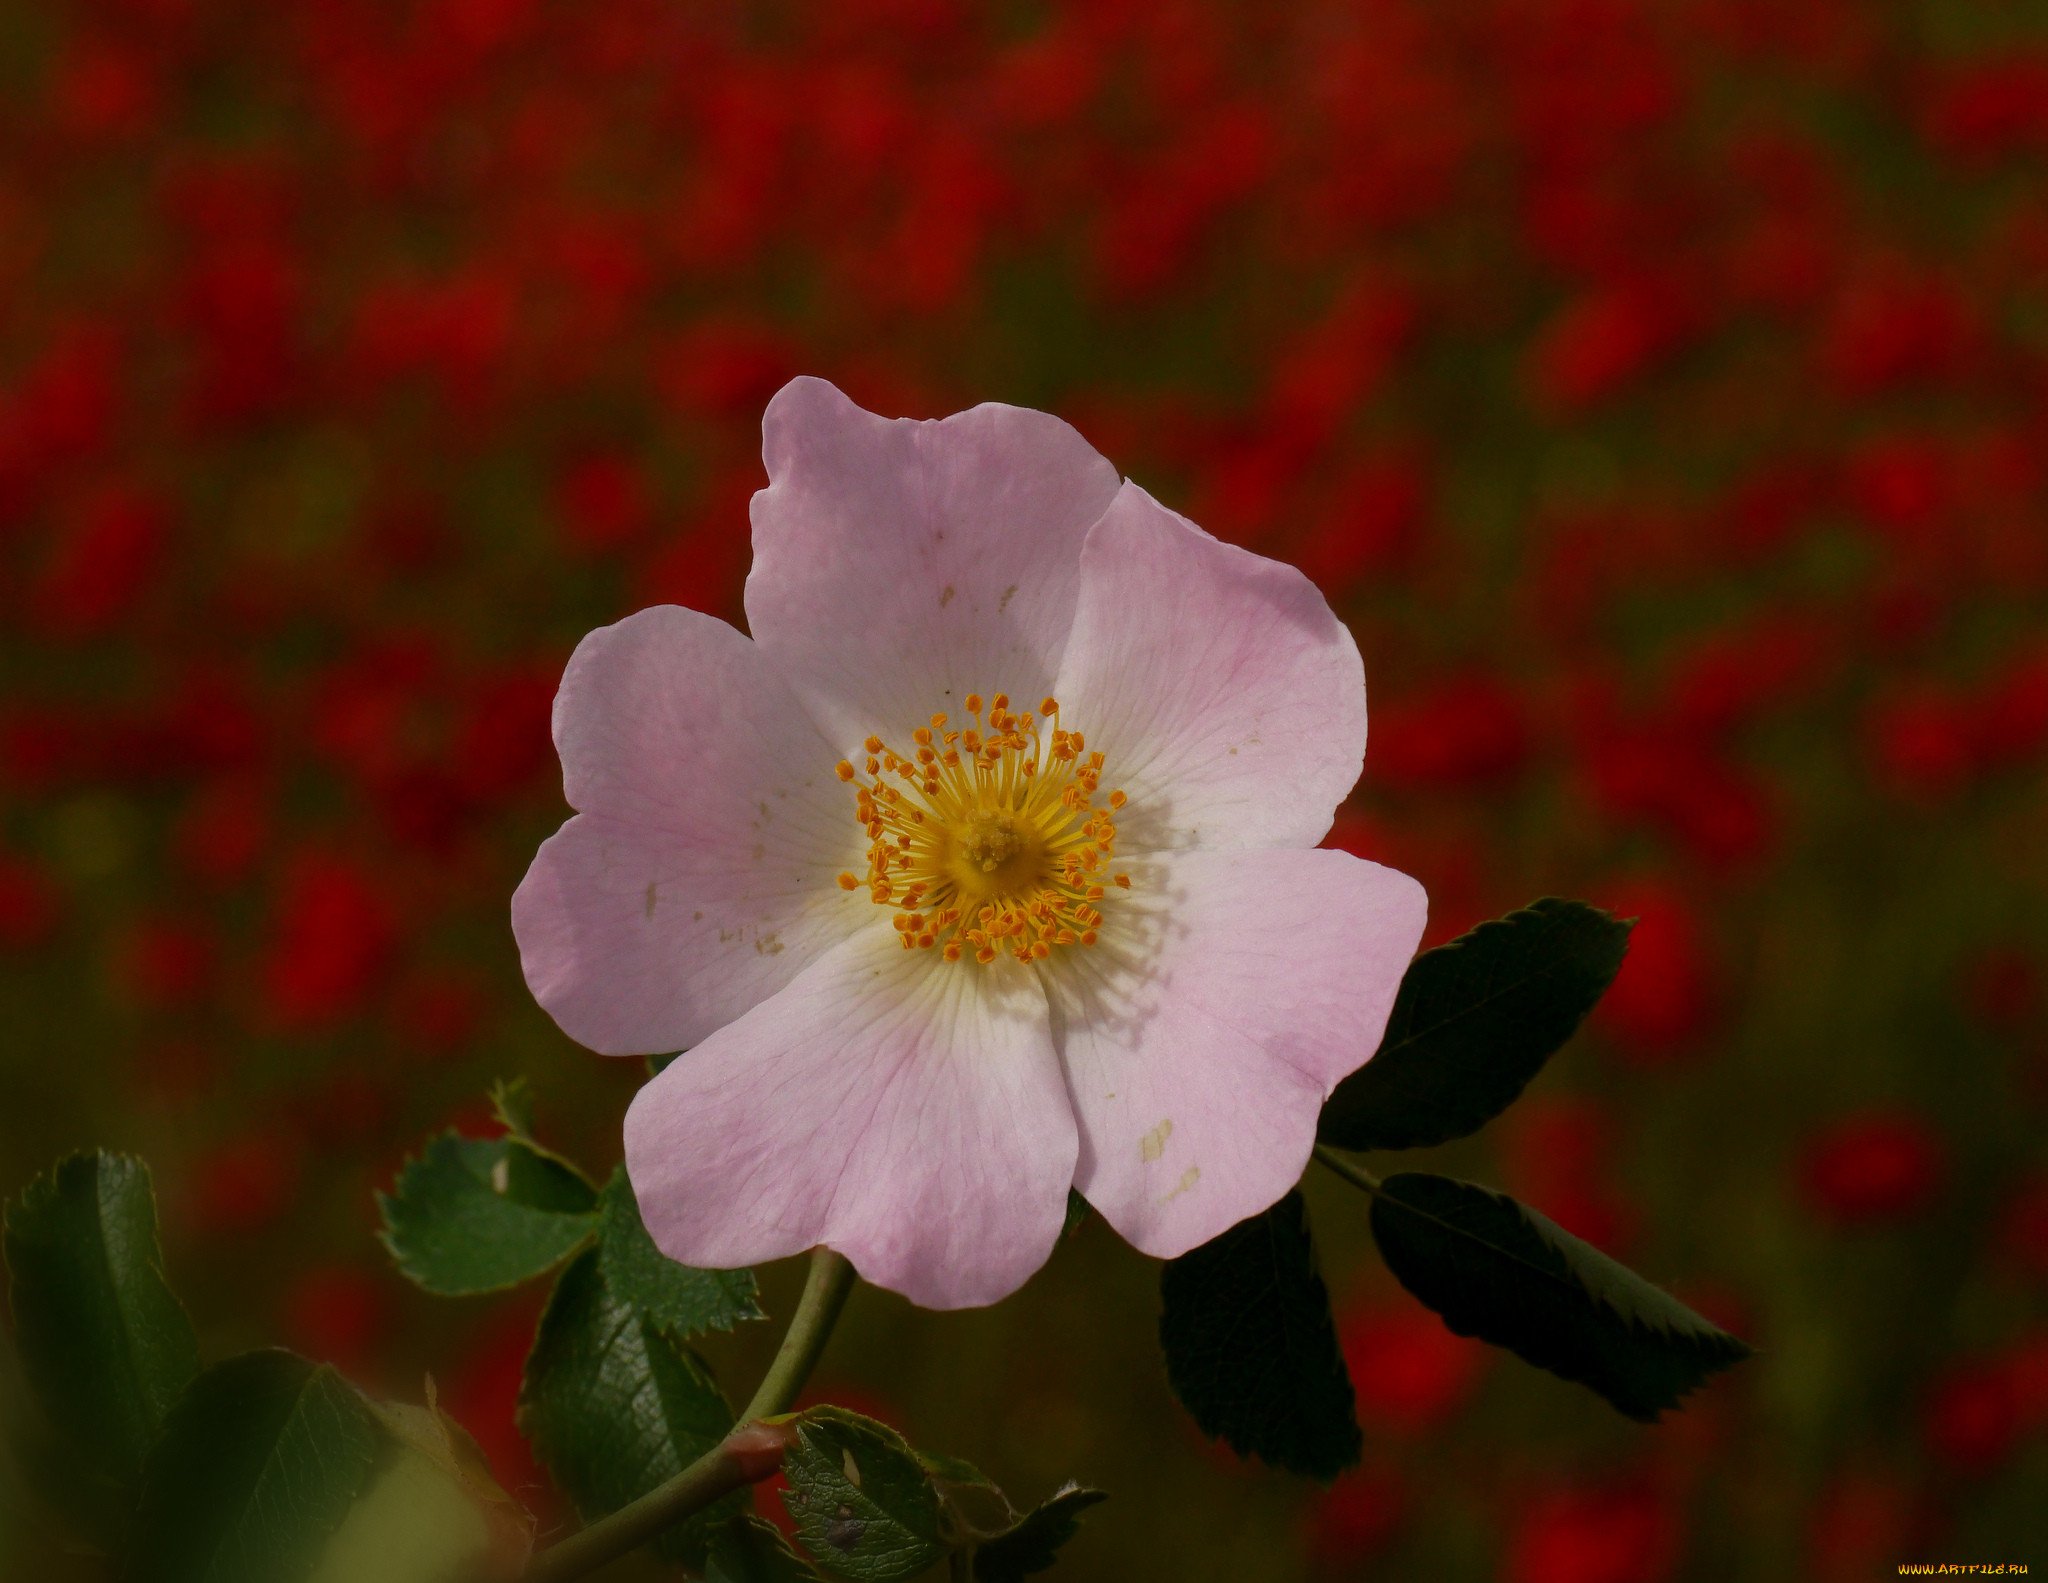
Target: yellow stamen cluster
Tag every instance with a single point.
(988, 838)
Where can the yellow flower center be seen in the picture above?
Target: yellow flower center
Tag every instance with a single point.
(992, 841)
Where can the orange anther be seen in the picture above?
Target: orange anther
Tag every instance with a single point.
(1117, 799)
(952, 952)
(843, 769)
(974, 703)
(873, 744)
(1123, 880)
(874, 766)
(1000, 701)
(848, 882)
(1087, 936)
(922, 736)
(986, 954)
(1048, 705)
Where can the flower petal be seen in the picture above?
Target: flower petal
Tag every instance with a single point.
(1199, 1059)
(699, 877)
(899, 566)
(904, 1110)
(1229, 700)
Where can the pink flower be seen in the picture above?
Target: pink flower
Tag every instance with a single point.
(936, 951)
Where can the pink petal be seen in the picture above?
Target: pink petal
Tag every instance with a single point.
(699, 877)
(899, 566)
(904, 1110)
(1231, 992)
(1229, 701)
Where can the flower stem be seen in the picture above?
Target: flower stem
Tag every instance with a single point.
(817, 1311)
(721, 1470)
(1357, 1175)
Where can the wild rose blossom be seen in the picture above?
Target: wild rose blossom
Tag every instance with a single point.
(984, 868)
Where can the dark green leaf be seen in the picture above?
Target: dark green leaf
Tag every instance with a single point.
(1498, 1270)
(1077, 1214)
(679, 1298)
(748, 1550)
(512, 1104)
(257, 1467)
(954, 1470)
(1033, 1545)
(481, 1214)
(861, 1502)
(103, 1340)
(415, 1522)
(615, 1406)
(1473, 1022)
(1251, 1349)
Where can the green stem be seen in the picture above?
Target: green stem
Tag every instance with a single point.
(825, 1292)
(718, 1472)
(1352, 1172)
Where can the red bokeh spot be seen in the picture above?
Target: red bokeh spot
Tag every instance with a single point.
(1464, 735)
(28, 905)
(1859, 1527)
(1357, 1516)
(336, 1313)
(1625, 1534)
(222, 833)
(171, 963)
(2024, 1236)
(1664, 999)
(105, 561)
(1408, 1371)
(1871, 1169)
(333, 936)
(603, 501)
(1973, 1416)
(245, 1185)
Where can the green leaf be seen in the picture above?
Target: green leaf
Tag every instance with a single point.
(679, 1298)
(1033, 1545)
(512, 1104)
(415, 1523)
(859, 1498)
(748, 1550)
(1498, 1270)
(103, 1340)
(1251, 1349)
(1473, 1022)
(481, 1214)
(1077, 1214)
(614, 1405)
(256, 1469)
(955, 1470)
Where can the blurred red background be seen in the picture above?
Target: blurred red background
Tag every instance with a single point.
(1659, 387)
